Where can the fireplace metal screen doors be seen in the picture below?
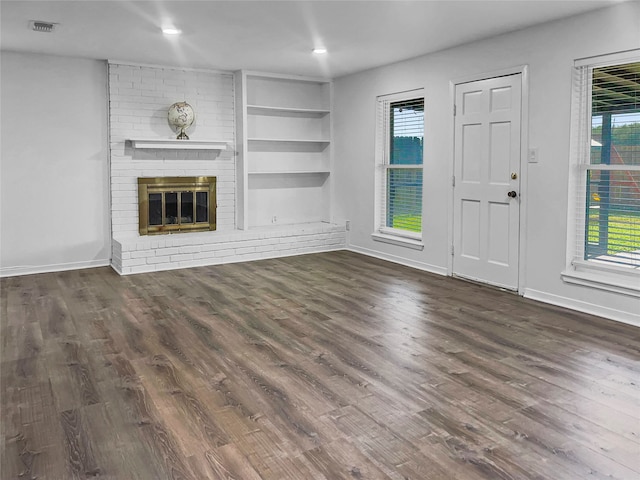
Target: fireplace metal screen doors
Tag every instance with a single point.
(176, 204)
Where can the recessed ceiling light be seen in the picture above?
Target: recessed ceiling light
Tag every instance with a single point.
(171, 31)
(319, 50)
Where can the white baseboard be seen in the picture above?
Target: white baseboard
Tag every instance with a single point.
(399, 260)
(116, 269)
(56, 267)
(585, 307)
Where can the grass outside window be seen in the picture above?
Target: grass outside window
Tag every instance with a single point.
(623, 232)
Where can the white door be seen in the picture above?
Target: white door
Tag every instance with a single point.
(486, 214)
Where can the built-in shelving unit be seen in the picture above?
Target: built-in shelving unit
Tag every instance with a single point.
(175, 144)
(284, 149)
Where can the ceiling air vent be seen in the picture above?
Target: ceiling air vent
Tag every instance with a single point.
(39, 26)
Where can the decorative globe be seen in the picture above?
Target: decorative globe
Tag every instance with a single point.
(181, 116)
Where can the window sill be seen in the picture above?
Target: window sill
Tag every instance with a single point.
(617, 280)
(415, 244)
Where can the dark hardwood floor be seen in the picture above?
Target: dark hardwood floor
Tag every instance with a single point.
(327, 366)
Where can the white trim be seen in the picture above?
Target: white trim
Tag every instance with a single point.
(594, 265)
(451, 171)
(524, 182)
(108, 147)
(504, 72)
(378, 160)
(523, 71)
(395, 232)
(607, 58)
(585, 307)
(330, 204)
(403, 166)
(116, 269)
(241, 149)
(56, 267)
(425, 267)
(612, 168)
(398, 240)
(403, 95)
(614, 282)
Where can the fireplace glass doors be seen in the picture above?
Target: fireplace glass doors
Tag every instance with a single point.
(176, 204)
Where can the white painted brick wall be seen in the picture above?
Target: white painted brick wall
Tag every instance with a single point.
(139, 98)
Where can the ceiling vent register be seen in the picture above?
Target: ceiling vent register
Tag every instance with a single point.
(40, 26)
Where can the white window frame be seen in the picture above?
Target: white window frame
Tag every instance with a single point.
(382, 233)
(591, 273)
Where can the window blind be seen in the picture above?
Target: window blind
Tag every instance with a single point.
(607, 109)
(400, 146)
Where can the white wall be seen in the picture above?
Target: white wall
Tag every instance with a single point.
(549, 51)
(54, 181)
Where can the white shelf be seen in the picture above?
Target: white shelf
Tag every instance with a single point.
(293, 172)
(312, 227)
(175, 144)
(285, 111)
(293, 141)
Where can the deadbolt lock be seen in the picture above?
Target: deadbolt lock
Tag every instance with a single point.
(514, 176)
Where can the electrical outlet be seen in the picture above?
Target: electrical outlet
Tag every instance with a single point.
(347, 225)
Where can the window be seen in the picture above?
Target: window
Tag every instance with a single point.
(399, 163)
(606, 194)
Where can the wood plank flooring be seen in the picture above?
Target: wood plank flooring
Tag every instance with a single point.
(327, 366)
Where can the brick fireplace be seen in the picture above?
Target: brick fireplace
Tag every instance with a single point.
(139, 97)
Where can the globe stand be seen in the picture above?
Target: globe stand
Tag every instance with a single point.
(183, 135)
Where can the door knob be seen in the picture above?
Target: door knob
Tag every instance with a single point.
(512, 194)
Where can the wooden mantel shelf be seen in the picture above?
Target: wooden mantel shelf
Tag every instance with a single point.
(174, 144)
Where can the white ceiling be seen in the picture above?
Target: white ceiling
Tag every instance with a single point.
(272, 36)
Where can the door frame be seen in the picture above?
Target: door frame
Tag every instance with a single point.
(523, 70)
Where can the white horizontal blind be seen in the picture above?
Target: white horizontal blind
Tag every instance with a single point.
(401, 139)
(608, 149)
